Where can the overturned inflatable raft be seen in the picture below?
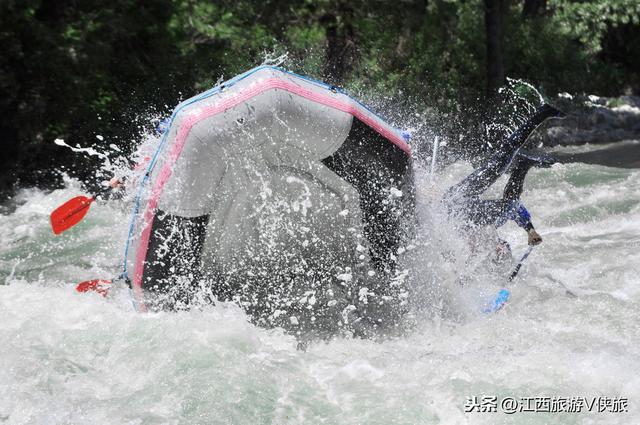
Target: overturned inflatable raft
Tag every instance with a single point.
(280, 193)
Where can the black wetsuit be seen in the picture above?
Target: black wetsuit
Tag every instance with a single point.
(464, 198)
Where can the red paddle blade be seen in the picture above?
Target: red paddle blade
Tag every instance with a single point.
(70, 213)
(101, 286)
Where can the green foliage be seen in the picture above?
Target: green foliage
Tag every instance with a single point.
(75, 69)
(588, 21)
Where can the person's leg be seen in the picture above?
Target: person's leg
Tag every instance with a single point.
(483, 177)
(514, 187)
(494, 211)
(524, 161)
(486, 212)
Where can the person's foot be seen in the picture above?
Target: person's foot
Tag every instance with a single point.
(535, 159)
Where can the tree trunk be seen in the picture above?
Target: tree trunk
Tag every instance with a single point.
(493, 20)
(533, 8)
(411, 20)
(340, 46)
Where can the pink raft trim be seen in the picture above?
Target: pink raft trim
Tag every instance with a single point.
(187, 125)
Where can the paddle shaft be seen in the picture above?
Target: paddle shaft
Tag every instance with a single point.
(504, 294)
(516, 270)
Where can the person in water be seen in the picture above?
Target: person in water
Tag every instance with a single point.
(463, 199)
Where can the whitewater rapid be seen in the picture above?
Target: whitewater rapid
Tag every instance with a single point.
(69, 358)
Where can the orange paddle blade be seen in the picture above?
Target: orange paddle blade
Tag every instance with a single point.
(70, 213)
(101, 286)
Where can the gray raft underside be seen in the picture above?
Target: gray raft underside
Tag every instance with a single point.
(301, 239)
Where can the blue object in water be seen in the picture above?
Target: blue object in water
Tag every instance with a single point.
(500, 300)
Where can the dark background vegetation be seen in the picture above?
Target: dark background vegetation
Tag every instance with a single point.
(74, 69)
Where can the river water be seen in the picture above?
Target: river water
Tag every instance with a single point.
(69, 358)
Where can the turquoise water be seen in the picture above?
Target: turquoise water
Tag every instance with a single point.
(69, 358)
